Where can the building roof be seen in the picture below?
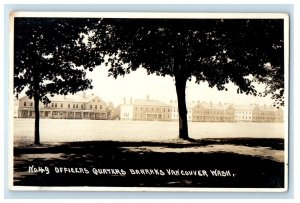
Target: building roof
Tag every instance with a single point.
(245, 107)
(70, 98)
(145, 102)
(189, 105)
(267, 108)
(213, 105)
(254, 106)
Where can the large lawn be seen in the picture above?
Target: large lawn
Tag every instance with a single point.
(53, 130)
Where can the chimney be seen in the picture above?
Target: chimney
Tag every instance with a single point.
(147, 97)
(210, 103)
(124, 100)
(130, 100)
(83, 94)
(64, 96)
(265, 106)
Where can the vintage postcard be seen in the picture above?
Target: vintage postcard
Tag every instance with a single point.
(149, 101)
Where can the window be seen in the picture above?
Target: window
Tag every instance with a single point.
(24, 103)
(73, 106)
(95, 106)
(30, 103)
(61, 105)
(91, 106)
(55, 104)
(76, 106)
(52, 105)
(81, 106)
(69, 105)
(100, 106)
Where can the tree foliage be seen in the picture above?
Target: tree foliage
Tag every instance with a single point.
(217, 51)
(44, 49)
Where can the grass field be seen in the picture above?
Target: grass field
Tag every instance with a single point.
(148, 154)
(52, 130)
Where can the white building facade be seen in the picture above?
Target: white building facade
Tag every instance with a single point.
(145, 109)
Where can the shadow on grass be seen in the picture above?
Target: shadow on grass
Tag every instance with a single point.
(110, 163)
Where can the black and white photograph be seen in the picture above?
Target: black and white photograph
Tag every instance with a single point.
(149, 101)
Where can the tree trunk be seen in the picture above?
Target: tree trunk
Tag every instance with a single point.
(180, 83)
(36, 121)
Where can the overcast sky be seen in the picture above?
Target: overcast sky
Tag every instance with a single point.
(138, 84)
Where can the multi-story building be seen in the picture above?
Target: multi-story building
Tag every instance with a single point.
(174, 110)
(244, 113)
(93, 107)
(145, 109)
(256, 113)
(65, 107)
(267, 114)
(209, 112)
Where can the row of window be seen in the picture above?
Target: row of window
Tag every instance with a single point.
(75, 106)
(25, 104)
(213, 112)
(77, 114)
(153, 109)
(141, 115)
(56, 113)
(243, 112)
(212, 118)
(176, 110)
(243, 117)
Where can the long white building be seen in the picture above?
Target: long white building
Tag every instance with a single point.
(145, 109)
